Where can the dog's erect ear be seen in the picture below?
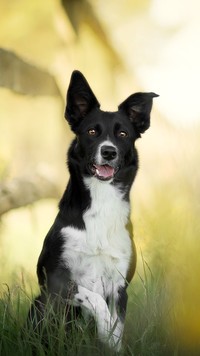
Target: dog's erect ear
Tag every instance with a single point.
(138, 108)
(80, 99)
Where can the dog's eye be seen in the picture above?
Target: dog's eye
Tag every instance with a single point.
(122, 134)
(92, 132)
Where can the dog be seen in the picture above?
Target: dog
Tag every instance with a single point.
(88, 258)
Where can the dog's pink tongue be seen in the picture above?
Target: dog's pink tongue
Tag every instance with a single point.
(104, 171)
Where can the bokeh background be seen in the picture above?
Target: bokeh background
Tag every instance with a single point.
(121, 47)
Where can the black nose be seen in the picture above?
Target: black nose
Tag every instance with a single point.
(108, 152)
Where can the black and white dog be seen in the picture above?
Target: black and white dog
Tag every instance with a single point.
(88, 257)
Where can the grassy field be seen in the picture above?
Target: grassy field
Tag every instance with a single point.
(148, 326)
(151, 327)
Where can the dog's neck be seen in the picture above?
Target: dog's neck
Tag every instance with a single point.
(108, 214)
(102, 193)
(105, 219)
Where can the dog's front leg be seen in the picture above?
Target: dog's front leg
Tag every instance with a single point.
(117, 307)
(117, 331)
(109, 329)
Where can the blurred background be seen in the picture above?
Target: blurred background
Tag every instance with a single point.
(121, 47)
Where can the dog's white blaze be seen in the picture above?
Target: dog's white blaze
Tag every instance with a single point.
(98, 158)
(99, 256)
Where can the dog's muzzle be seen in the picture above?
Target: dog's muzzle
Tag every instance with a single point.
(105, 165)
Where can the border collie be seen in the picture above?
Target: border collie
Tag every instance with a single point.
(88, 257)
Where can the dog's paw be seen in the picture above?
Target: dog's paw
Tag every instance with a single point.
(93, 302)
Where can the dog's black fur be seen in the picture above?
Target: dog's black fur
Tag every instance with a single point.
(114, 166)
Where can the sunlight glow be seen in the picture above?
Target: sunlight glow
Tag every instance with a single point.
(176, 71)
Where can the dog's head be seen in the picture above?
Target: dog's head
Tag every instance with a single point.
(104, 142)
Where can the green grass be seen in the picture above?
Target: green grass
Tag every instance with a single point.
(151, 324)
(19, 339)
(145, 333)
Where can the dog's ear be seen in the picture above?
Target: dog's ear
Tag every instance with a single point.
(80, 99)
(138, 108)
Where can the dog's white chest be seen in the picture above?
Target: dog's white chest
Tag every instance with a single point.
(99, 257)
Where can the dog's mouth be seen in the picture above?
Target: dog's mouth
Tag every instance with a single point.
(103, 172)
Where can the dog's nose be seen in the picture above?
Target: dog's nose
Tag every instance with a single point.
(108, 152)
